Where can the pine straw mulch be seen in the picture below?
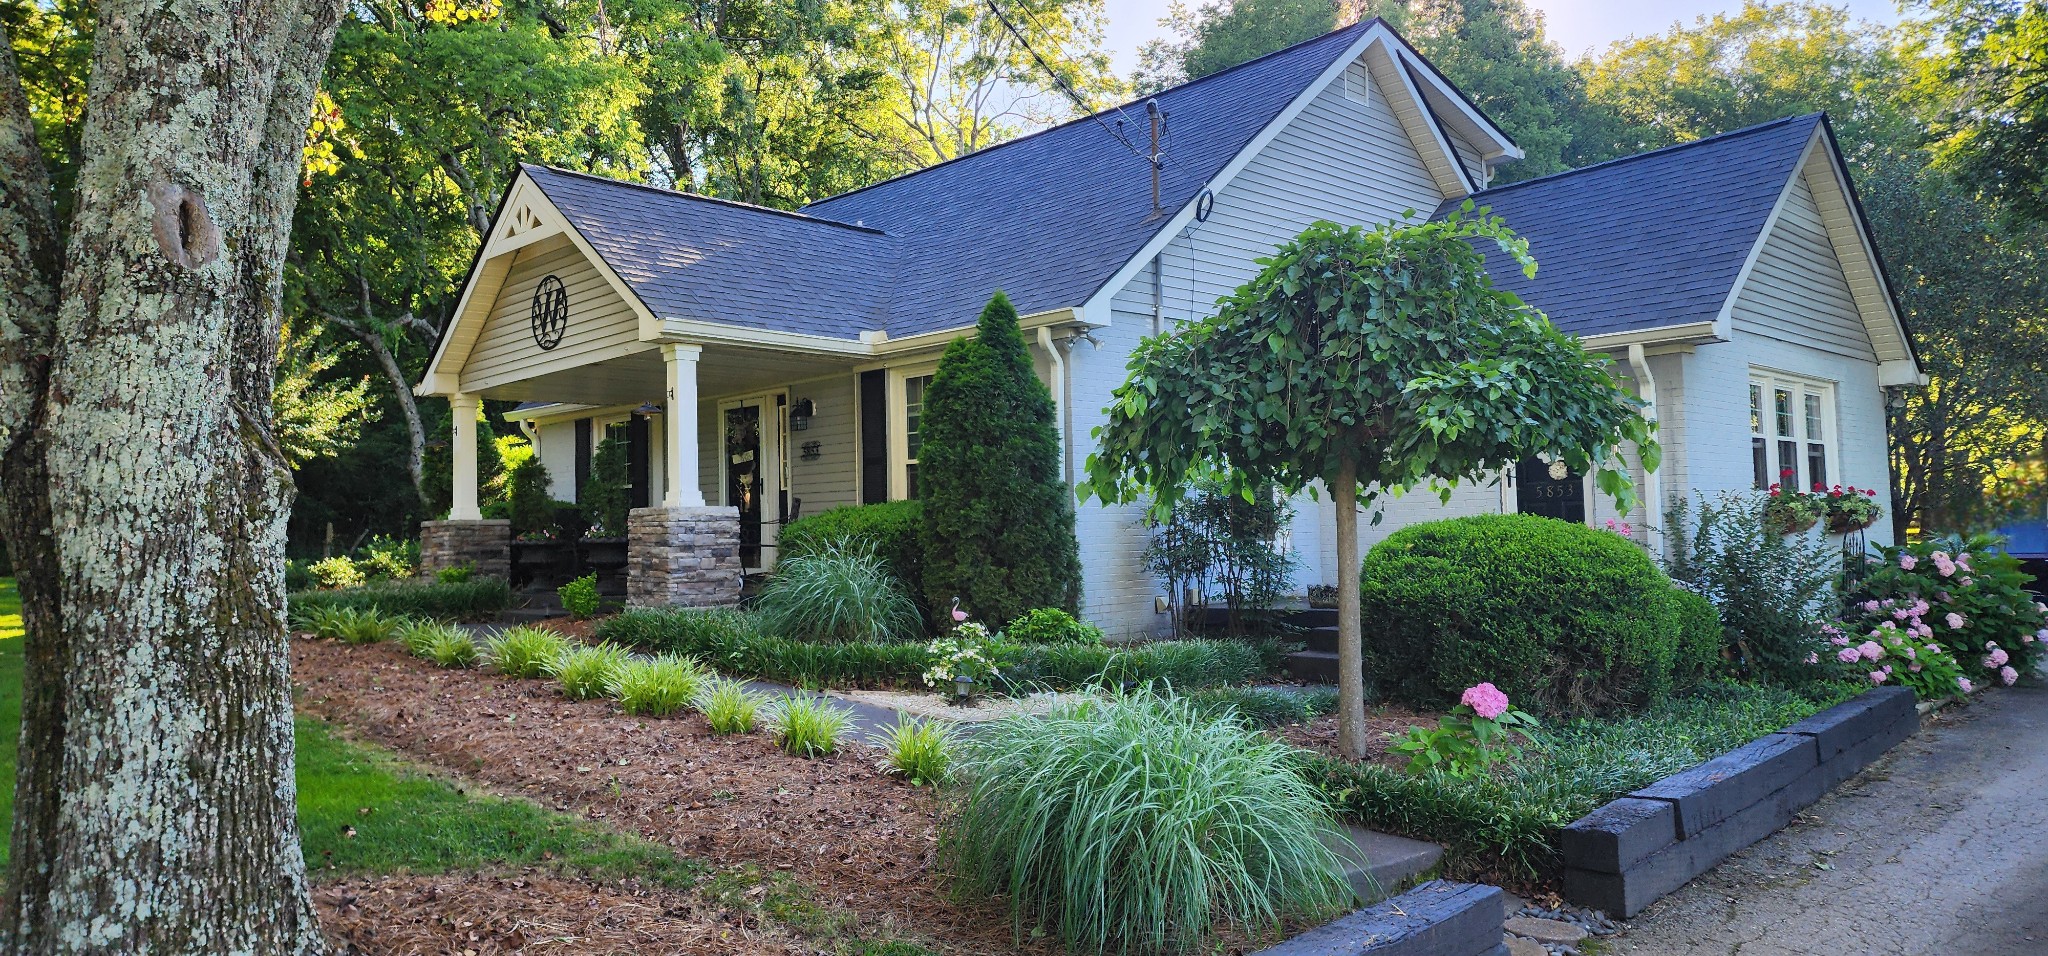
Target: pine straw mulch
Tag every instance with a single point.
(862, 841)
(1320, 735)
(533, 913)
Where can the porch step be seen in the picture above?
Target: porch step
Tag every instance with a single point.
(1390, 863)
(533, 615)
(1313, 667)
(1312, 617)
(1321, 639)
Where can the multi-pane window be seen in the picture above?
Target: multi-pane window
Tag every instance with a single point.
(913, 421)
(1791, 429)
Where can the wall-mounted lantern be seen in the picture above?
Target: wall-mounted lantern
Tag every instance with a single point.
(800, 414)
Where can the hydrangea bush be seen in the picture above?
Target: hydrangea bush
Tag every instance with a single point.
(1474, 736)
(1966, 595)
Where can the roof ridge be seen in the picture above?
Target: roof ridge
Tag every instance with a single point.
(700, 197)
(1702, 141)
(1358, 27)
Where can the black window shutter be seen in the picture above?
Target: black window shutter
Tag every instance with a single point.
(582, 455)
(874, 438)
(639, 441)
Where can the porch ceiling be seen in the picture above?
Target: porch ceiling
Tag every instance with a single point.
(723, 370)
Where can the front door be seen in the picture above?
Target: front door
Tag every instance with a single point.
(1551, 490)
(751, 457)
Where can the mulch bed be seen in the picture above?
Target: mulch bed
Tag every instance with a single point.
(863, 841)
(1320, 734)
(532, 913)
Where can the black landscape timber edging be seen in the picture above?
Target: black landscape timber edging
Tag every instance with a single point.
(1437, 918)
(1635, 850)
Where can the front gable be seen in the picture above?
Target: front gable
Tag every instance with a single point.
(543, 278)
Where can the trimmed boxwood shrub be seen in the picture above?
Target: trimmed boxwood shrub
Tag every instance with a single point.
(477, 599)
(891, 528)
(1184, 665)
(1699, 640)
(1565, 618)
(1050, 625)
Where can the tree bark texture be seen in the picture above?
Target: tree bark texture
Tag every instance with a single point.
(1350, 630)
(155, 802)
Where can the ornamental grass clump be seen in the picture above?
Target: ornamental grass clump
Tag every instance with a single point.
(525, 651)
(586, 673)
(838, 593)
(920, 751)
(1138, 823)
(658, 687)
(418, 636)
(729, 707)
(807, 726)
(452, 648)
(352, 625)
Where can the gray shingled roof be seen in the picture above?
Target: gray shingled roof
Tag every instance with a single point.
(693, 257)
(1048, 218)
(1650, 240)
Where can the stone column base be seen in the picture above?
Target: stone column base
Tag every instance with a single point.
(485, 545)
(682, 557)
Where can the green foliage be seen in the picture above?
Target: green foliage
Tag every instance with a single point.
(658, 687)
(579, 597)
(419, 636)
(1138, 823)
(388, 559)
(1050, 625)
(525, 651)
(1386, 352)
(837, 594)
(1265, 706)
(731, 641)
(1217, 36)
(452, 648)
(1184, 665)
(476, 599)
(808, 726)
(608, 493)
(998, 517)
(457, 574)
(1700, 640)
(316, 414)
(891, 529)
(1564, 618)
(532, 508)
(1463, 743)
(920, 751)
(297, 577)
(1506, 823)
(587, 673)
(349, 625)
(1983, 80)
(335, 572)
(1216, 539)
(1997, 622)
(1773, 591)
(729, 707)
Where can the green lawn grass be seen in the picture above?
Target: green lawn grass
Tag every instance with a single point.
(361, 810)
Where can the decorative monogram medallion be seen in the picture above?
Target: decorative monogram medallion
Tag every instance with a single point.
(550, 312)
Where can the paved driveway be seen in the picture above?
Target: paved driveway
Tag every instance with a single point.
(1941, 849)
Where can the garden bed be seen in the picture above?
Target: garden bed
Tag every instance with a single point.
(861, 840)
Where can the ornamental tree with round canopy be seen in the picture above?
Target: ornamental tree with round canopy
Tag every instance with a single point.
(1371, 362)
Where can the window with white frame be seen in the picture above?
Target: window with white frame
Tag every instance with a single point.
(913, 428)
(906, 391)
(1792, 437)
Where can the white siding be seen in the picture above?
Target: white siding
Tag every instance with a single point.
(601, 324)
(1796, 292)
(1340, 159)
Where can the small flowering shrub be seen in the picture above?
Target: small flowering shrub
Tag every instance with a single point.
(969, 651)
(1852, 509)
(1474, 736)
(1773, 592)
(335, 572)
(1791, 511)
(1050, 625)
(1966, 595)
(1895, 654)
(579, 597)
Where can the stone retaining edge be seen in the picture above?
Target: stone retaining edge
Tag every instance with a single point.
(1437, 918)
(1636, 849)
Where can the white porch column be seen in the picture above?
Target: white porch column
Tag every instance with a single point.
(680, 421)
(464, 408)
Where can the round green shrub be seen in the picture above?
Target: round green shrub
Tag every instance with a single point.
(1566, 619)
(1699, 639)
(1050, 625)
(890, 529)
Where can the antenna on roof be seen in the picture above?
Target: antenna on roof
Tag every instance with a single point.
(1156, 159)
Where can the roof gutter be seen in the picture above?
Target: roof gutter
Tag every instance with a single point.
(1653, 483)
(1707, 331)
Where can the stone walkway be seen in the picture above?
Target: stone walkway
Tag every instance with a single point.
(1936, 849)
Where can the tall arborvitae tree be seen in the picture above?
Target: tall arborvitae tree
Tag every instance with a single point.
(143, 491)
(608, 494)
(998, 518)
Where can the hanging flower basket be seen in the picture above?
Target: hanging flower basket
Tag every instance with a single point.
(1852, 509)
(1792, 512)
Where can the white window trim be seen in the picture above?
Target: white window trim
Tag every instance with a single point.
(1772, 381)
(899, 425)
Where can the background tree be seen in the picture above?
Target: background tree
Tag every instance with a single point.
(1223, 33)
(1369, 362)
(1984, 79)
(607, 495)
(317, 416)
(998, 519)
(142, 489)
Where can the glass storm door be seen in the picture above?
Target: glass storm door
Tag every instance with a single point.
(751, 454)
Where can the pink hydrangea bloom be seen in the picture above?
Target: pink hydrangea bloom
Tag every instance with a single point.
(1813, 657)
(1915, 668)
(1955, 621)
(1870, 607)
(1877, 677)
(1997, 658)
(1871, 650)
(1839, 641)
(2008, 675)
(1900, 614)
(1967, 581)
(1964, 683)
(1963, 561)
(1920, 607)
(1849, 655)
(1907, 561)
(1485, 700)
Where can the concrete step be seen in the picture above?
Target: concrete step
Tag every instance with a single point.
(533, 615)
(1379, 865)
(1321, 639)
(1313, 617)
(1313, 667)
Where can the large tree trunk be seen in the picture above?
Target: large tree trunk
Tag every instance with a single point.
(155, 796)
(1350, 632)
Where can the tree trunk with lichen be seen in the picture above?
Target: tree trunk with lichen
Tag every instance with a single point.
(142, 494)
(1350, 628)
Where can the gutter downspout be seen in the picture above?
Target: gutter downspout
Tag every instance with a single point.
(1158, 292)
(1064, 389)
(1653, 482)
